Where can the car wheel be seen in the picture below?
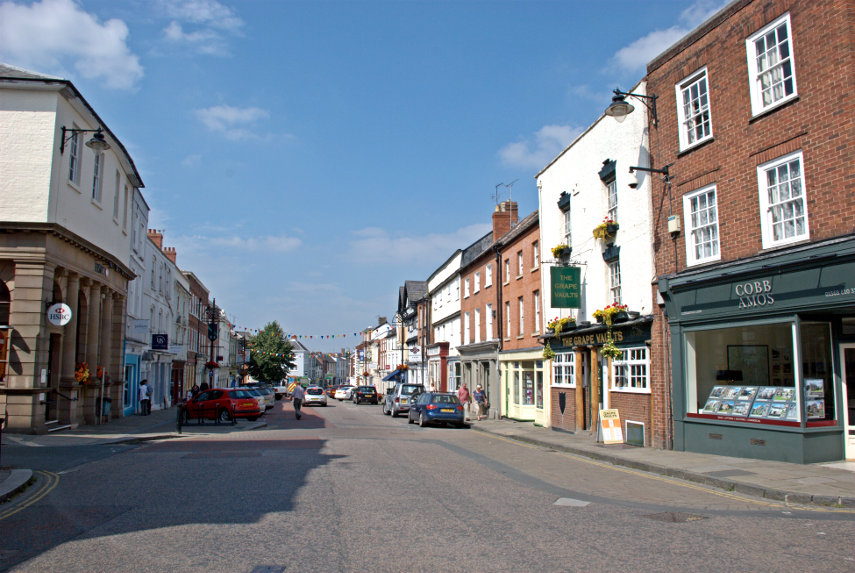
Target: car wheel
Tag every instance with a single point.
(460, 425)
(253, 419)
(410, 418)
(393, 412)
(422, 420)
(224, 416)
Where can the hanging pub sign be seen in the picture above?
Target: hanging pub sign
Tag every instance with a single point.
(565, 282)
(59, 314)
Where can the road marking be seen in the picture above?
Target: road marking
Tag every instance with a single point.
(46, 488)
(675, 481)
(570, 502)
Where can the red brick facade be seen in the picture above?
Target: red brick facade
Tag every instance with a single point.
(819, 121)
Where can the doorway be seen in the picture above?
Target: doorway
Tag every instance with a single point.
(847, 352)
(52, 378)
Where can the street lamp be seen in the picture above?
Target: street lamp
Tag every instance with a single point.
(98, 142)
(620, 108)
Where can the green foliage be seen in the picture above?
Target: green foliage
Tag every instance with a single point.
(548, 353)
(272, 355)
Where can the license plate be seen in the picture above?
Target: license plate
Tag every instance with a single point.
(248, 405)
(446, 410)
(403, 400)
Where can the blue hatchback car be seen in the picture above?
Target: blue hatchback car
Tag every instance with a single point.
(430, 407)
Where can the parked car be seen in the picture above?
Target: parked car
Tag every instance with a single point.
(315, 395)
(344, 392)
(265, 401)
(222, 403)
(330, 390)
(436, 407)
(398, 399)
(280, 390)
(365, 394)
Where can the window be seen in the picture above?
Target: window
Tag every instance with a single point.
(522, 315)
(564, 369)
(125, 212)
(466, 330)
(97, 176)
(783, 206)
(771, 69)
(477, 281)
(568, 236)
(611, 188)
(477, 325)
(535, 255)
(693, 110)
(116, 196)
(700, 212)
(526, 379)
(507, 270)
(457, 289)
(74, 157)
(519, 263)
(614, 281)
(507, 319)
(488, 319)
(631, 370)
(536, 297)
(488, 275)
(466, 287)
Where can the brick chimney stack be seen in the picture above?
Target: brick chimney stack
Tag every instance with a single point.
(170, 254)
(156, 237)
(504, 217)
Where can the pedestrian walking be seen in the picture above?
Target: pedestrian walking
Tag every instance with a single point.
(479, 402)
(194, 390)
(463, 396)
(145, 397)
(297, 396)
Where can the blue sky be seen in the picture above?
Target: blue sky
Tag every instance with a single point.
(306, 158)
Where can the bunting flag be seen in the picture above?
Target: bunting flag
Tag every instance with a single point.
(346, 354)
(295, 336)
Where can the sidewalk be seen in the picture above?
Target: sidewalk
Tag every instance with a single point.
(827, 484)
(831, 484)
(161, 424)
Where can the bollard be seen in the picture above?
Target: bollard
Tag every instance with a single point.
(234, 418)
(180, 417)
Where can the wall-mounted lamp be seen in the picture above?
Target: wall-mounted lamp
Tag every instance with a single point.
(98, 142)
(664, 172)
(620, 108)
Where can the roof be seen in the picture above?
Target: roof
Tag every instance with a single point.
(476, 249)
(527, 223)
(14, 74)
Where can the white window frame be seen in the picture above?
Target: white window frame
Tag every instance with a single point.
(478, 325)
(507, 270)
(766, 208)
(466, 328)
(693, 109)
(568, 228)
(521, 325)
(97, 177)
(564, 368)
(755, 75)
(477, 286)
(116, 197)
(488, 276)
(536, 297)
(74, 157)
(488, 322)
(466, 287)
(611, 190)
(615, 282)
(636, 362)
(520, 267)
(508, 319)
(535, 254)
(693, 231)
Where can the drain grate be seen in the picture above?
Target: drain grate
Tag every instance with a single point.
(268, 569)
(675, 517)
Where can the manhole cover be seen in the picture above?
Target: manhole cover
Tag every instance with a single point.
(675, 517)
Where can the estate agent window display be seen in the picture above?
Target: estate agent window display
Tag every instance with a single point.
(750, 373)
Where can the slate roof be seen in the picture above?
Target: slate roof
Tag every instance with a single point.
(524, 225)
(476, 249)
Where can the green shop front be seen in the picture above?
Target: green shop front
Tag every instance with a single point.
(763, 355)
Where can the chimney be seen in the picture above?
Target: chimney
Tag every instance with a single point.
(504, 217)
(170, 254)
(156, 237)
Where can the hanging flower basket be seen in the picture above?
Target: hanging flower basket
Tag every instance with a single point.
(210, 364)
(562, 251)
(606, 230)
(557, 325)
(608, 313)
(402, 367)
(81, 373)
(609, 349)
(548, 353)
(366, 374)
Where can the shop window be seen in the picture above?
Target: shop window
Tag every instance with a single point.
(631, 370)
(564, 369)
(526, 377)
(751, 372)
(538, 386)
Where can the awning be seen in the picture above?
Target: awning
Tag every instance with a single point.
(394, 375)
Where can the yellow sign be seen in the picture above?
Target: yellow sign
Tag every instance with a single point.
(610, 427)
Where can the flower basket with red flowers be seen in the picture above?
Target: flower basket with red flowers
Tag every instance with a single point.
(81, 373)
(210, 364)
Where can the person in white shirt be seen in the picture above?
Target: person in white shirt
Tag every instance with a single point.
(297, 397)
(145, 398)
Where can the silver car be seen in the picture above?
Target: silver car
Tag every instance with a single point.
(398, 400)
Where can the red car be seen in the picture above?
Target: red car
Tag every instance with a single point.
(221, 403)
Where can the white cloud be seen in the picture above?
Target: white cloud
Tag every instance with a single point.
(269, 244)
(233, 122)
(201, 25)
(50, 35)
(193, 160)
(539, 150)
(635, 56)
(374, 245)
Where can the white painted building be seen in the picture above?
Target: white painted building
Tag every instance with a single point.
(137, 334)
(590, 181)
(444, 293)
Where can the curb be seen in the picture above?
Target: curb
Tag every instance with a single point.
(685, 475)
(17, 481)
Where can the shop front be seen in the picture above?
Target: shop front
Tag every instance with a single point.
(438, 366)
(522, 386)
(479, 365)
(584, 381)
(762, 355)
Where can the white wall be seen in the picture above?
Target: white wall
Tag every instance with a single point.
(576, 171)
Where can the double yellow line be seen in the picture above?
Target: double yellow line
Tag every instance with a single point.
(45, 484)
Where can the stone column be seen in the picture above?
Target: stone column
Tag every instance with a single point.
(65, 407)
(580, 390)
(93, 320)
(117, 362)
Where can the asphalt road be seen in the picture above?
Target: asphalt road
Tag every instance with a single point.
(349, 489)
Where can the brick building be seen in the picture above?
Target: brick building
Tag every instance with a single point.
(756, 333)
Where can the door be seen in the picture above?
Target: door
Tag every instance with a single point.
(54, 346)
(848, 360)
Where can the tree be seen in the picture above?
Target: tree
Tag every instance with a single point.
(272, 355)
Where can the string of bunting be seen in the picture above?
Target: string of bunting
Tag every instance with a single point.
(297, 336)
(315, 354)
